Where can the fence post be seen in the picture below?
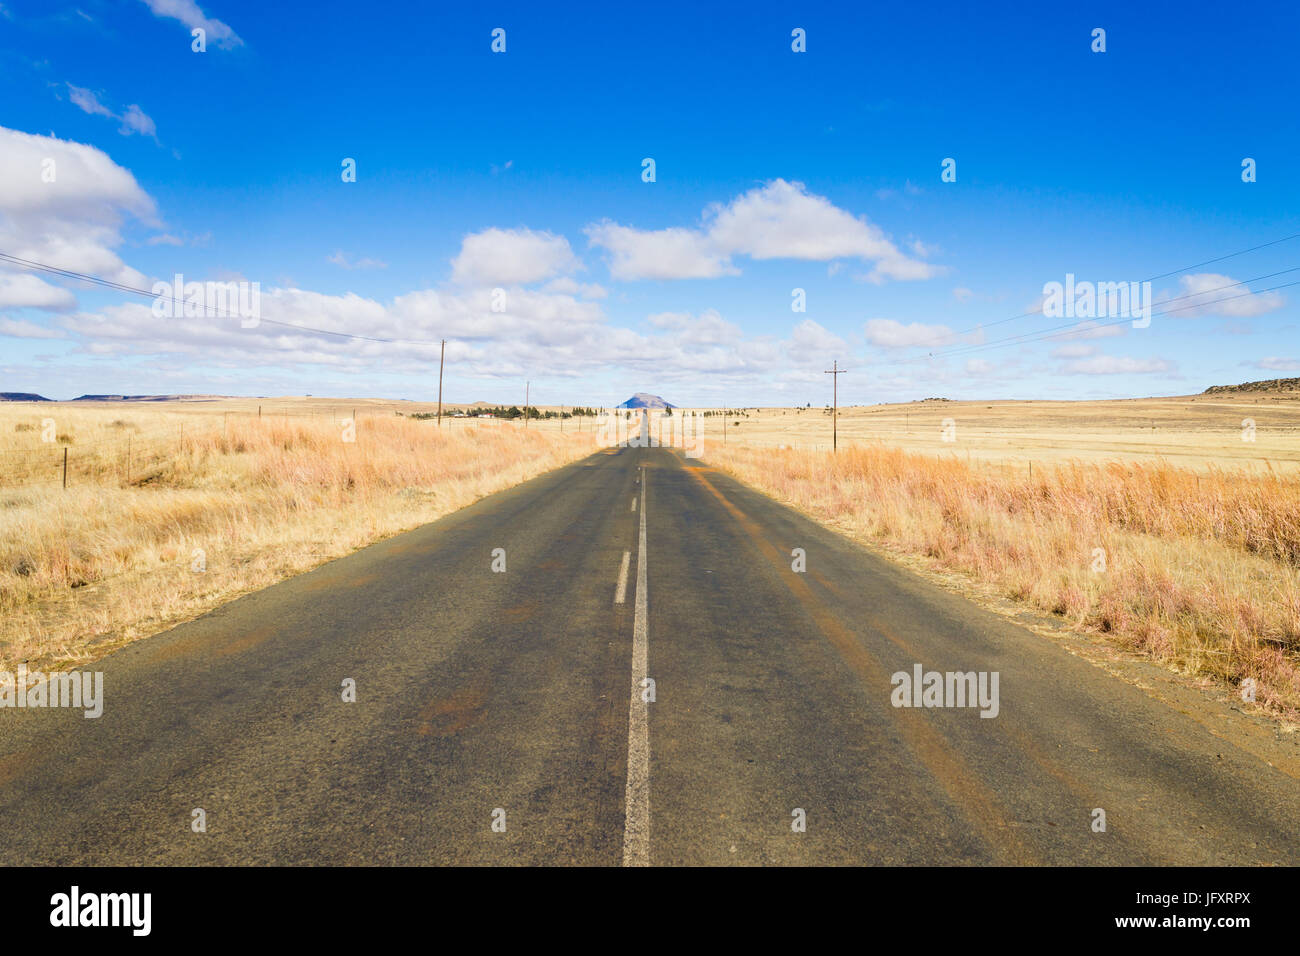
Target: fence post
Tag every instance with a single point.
(65, 467)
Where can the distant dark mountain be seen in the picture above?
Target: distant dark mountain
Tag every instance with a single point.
(145, 398)
(645, 400)
(1268, 385)
(22, 397)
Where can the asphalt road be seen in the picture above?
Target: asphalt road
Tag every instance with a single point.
(501, 717)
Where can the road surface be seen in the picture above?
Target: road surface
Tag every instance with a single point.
(502, 717)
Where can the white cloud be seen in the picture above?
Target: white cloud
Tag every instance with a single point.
(979, 367)
(783, 220)
(962, 294)
(88, 102)
(810, 337)
(20, 329)
(901, 268)
(1208, 293)
(780, 220)
(674, 253)
(73, 222)
(343, 262)
(1115, 365)
(1089, 329)
(511, 257)
(708, 328)
(1074, 351)
(134, 120)
(167, 239)
(1276, 364)
(188, 13)
(892, 334)
(27, 291)
(568, 286)
(565, 336)
(909, 189)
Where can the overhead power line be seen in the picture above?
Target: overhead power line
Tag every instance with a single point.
(1024, 338)
(1163, 275)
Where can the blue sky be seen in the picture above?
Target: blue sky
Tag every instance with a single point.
(522, 171)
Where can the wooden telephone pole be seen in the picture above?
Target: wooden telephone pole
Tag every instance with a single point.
(526, 384)
(441, 358)
(835, 371)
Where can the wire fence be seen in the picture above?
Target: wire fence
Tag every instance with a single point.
(58, 459)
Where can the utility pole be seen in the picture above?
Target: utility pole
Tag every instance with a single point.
(441, 357)
(526, 384)
(835, 372)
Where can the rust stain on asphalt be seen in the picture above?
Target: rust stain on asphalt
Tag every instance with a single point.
(449, 715)
(335, 582)
(976, 802)
(245, 642)
(11, 765)
(522, 612)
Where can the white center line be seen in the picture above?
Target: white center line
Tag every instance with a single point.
(621, 594)
(634, 504)
(636, 827)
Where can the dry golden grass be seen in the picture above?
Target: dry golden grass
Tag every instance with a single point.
(1196, 431)
(155, 491)
(1202, 568)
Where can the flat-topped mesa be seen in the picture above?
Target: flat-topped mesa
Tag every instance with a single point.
(645, 400)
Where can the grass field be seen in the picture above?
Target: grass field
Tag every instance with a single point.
(1198, 432)
(1180, 542)
(171, 509)
(1198, 529)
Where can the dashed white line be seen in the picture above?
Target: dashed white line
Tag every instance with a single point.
(634, 503)
(621, 594)
(636, 827)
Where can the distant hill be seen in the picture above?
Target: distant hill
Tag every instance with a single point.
(1267, 385)
(147, 398)
(645, 400)
(22, 397)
